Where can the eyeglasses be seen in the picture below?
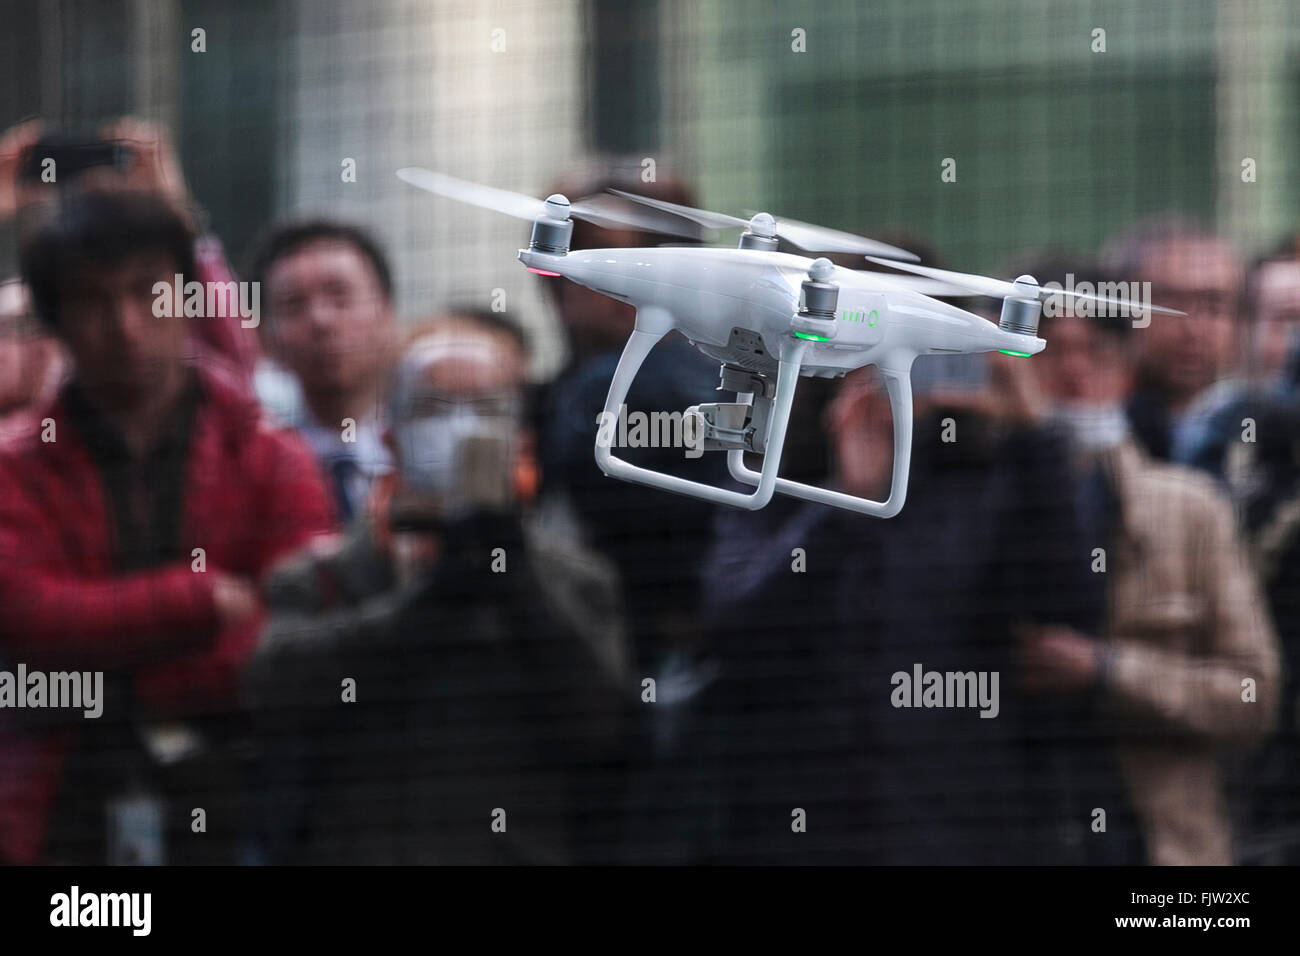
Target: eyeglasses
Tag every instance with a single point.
(497, 404)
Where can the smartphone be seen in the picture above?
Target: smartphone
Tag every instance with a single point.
(72, 156)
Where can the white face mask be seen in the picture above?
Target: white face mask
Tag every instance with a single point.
(1093, 428)
(462, 458)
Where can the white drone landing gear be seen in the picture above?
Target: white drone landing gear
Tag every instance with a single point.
(898, 383)
(756, 422)
(652, 324)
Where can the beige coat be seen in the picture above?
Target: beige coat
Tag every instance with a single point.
(1188, 627)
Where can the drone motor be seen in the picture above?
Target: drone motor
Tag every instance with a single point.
(1020, 313)
(760, 234)
(818, 299)
(553, 230)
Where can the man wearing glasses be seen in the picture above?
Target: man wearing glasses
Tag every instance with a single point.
(1178, 357)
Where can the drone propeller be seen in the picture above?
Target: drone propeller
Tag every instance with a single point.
(711, 220)
(595, 209)
(922, 286)
(1024, 287)
(804, 235)
(485, 197)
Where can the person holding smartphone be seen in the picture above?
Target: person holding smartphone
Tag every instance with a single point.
(38, 163)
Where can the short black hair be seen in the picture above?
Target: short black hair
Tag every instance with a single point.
(599, 174)
(1059, 265)
(490, 321)
(1286, 249)
(284, 239)
(1125, 255)
(97, 228)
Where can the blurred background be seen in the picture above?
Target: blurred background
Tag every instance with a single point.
(992, 136)
(1053, 143)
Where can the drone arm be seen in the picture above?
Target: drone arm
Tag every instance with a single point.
(651, 325)
(898, 382)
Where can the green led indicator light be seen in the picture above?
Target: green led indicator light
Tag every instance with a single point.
(873, 317)
(810, 337)
(1017, 354)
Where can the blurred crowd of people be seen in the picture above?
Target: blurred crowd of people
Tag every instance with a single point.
(360, 593)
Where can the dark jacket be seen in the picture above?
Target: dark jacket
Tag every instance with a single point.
(802, 715)
(656, 541)
(476, 691)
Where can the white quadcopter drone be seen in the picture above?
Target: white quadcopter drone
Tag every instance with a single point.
(767, 317)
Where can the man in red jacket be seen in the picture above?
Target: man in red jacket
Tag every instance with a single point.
(135, 518)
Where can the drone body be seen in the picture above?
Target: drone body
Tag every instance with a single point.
(767, 317)
(748, 309)
(738, 306)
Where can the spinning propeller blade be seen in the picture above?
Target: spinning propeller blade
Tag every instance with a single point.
(599, 210)
(804, 235)
(820, 239)
(1001, 288)
(485, 197)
